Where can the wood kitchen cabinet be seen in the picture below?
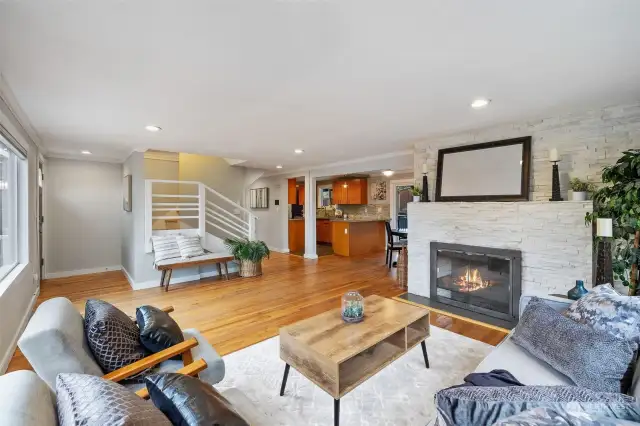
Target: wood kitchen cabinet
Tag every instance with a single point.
(323, 231)
(301, 194)
(291, 191)
(350, 191)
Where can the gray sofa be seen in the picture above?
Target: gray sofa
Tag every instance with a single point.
(528, 369)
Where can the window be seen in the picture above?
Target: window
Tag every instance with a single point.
(10, 163)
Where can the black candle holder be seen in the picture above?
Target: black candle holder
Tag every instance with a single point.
(555, 183)
(425, 189)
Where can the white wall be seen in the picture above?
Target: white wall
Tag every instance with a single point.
(586, 142)
(18, 295)
(271, 225)
(84, 204)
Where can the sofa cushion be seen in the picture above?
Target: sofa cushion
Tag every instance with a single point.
(191, 402)
(26, 400)
(113, 337)
(606, 310)
(54, 342)
(89, 400)
(486, 405)
(591, 358)
(158, 331)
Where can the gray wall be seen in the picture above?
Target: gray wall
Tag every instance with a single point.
(134, 166)
(84, 204)
(586, 142)
(272, 222)
(16, 296)
(214, 172)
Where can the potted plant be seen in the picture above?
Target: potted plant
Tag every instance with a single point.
(416, 192)
(620, 201)
(580, 189)
(249, 254)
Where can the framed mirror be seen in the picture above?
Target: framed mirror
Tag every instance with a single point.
(492, 171)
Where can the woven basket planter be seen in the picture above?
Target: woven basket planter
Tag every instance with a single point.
(250, 269)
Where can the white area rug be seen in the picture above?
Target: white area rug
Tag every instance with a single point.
(400, 394)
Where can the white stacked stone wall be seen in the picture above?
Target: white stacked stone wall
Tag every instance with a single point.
(556, 245)
(586, 142)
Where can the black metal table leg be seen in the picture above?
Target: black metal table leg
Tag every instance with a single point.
(284, 379)
(336, 412)
(424, 353)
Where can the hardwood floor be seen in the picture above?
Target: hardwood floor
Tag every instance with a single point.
(241, 312)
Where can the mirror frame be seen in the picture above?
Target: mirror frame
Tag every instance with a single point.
(524, 178)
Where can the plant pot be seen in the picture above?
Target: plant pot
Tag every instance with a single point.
(578, 196)
(416, 198)
(250, 269)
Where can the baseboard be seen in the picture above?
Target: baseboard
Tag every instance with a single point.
(64, 274)
(279, 250)
(195, 277)
(14, 342)
(310, 256)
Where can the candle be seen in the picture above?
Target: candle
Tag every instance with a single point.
(424, 168)
(553, 155)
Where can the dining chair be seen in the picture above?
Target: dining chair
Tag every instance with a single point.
(392, 244)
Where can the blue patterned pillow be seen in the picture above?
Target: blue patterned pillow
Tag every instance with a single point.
(550, 417)
(476, 405)
(591, 358)
(605, 309)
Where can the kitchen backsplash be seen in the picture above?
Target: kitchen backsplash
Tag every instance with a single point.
(377, 211)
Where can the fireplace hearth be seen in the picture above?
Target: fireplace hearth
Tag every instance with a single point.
(482, 280)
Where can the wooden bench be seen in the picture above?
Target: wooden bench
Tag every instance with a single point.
(167, 266)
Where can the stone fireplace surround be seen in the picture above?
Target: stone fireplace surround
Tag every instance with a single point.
(556, 244)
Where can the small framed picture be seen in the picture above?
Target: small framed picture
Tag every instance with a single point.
(259, 198)
(126, 191)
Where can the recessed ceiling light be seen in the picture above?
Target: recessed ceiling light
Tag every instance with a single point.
(278, 166)
(153, 128)
(298, 151)
(480, 103)
(387, 173)
(85, 152)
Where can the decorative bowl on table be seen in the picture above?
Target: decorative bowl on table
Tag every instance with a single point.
(352, 307)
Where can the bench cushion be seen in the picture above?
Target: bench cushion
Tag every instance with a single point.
(178, 262)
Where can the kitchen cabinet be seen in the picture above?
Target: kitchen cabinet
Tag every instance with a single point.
(301, 194)
(291, 186)
(355, 238)
(296, 235)
(323, 231)
(350, 191)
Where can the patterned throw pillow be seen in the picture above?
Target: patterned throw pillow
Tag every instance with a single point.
(113, 337)
(478, 405)
(189, 246)
(93, 401)
(165, 247)
(591, 358)
(605, 309)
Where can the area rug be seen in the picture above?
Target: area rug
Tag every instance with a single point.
(401, 394)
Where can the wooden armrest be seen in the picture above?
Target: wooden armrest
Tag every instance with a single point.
(190, 370)
(151, 360)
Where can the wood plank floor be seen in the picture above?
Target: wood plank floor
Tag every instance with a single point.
(243, 311)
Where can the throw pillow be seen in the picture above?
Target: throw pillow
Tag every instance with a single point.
(591, 358)
(191, 402)
(606, 310)
(92, 401)
(189, 246)
(165, 247)
(158, 331)
(486, 405)
(114, 339)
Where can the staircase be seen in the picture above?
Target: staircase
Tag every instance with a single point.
(198, 210)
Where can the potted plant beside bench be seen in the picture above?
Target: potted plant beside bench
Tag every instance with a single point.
(249, 255)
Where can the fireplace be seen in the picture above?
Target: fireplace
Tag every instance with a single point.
(483, 280)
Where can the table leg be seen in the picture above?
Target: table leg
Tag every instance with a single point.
(336, 412)
(424, 353)
(164, 273)
(284, 379)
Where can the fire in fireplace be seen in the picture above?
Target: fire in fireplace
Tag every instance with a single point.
(481, 279)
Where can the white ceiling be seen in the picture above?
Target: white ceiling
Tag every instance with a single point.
(340, 79)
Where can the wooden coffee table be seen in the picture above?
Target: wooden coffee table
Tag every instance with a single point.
(338, 356)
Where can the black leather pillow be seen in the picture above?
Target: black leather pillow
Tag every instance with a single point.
(113, 337)
(90, 400)
(188, 401)
(158, 331)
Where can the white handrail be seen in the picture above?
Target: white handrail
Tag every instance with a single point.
(217, 216)
(231, 215)
(236, 205)
(225, 230)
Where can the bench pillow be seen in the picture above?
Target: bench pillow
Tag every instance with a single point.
(91, 400)
(189, 246)
(165, 247)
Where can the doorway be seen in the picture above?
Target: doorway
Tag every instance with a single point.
(400, 196)
(40, 217)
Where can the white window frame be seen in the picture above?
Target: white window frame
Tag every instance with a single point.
(17, 240)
